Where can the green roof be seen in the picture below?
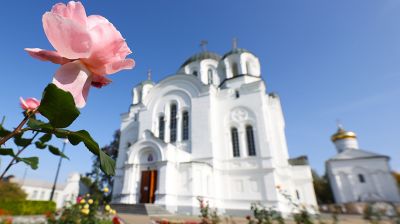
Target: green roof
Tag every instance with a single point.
(236, 51)
(201, 56)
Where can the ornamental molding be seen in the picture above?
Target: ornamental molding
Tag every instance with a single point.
(239, 115)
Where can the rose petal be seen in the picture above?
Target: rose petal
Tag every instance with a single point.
(73, 10)
(109, 47)
(99, 81)
(114, 67)
(45, 55)
(29, 103)
(32, 103)
(94, 20)
(24, 106)
(75, 78)
(69, 38)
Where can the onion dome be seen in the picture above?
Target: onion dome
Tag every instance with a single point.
(236, 51)
(343, 134)
(201, 56)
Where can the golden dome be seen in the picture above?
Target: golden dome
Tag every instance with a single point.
(343, 134)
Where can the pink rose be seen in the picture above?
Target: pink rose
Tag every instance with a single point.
(78, 199)
(87, 47)
(29, 104)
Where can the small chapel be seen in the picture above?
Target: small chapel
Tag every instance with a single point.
(358, 175)
(211, 130)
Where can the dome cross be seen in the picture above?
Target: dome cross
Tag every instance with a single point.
(203, 45)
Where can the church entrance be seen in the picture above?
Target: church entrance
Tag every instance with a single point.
(148, 185)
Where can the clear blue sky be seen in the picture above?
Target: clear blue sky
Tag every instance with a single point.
(327, 60)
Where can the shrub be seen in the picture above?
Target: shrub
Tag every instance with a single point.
(263, 215)
(27, 207)
(11, 191)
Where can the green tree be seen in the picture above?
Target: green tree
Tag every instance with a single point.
(99, 179)
(396, 176)
(322, 188)
(11, 191)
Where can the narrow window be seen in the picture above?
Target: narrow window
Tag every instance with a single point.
(150, 158)
(248, 68)
(235, 69)
(42, 195)
(361, 178)
(250, 140)
(173, 123)
(195, 73)
(210, 76)
(237, 94)
(161, 127)
(235, 142)
(297, 194)
(34, 195)
(185, 125)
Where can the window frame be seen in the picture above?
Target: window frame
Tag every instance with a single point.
(173, 123)
(235, 142)
(210, 74)
(161, 130)
(251, 144)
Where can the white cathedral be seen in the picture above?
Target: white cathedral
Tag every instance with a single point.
(210, 130)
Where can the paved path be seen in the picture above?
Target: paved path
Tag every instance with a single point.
(326, 218)
(135, 219)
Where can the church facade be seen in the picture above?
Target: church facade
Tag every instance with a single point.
(357, 175)
(211, 130)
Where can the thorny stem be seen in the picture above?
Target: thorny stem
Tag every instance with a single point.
(16, 156)
(18, 129)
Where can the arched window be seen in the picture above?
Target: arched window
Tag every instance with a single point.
(173, 123)
(235, 142)
(161, 127)
(185, 125)
(195, 73)
(237, 94)
(210, 76)
(248, 68)
(235, 71)
(361, 178)
(150, 158)
(250, 140)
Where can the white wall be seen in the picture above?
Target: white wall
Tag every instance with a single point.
(379, 184)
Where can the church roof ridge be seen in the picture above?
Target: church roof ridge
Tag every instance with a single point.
(235, 51)
(201, 56)
(350, 154)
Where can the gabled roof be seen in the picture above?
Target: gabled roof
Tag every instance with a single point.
(350, 154)
(38, 183)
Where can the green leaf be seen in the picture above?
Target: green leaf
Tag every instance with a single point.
(30, 161)
(37, 124)
(7, 152)
(107, 164)
(61, 133)
(56, 151)
(58, 106)
(3, 131)
(40, 145)
(84, 136)
(18, 140)
(45, 138)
